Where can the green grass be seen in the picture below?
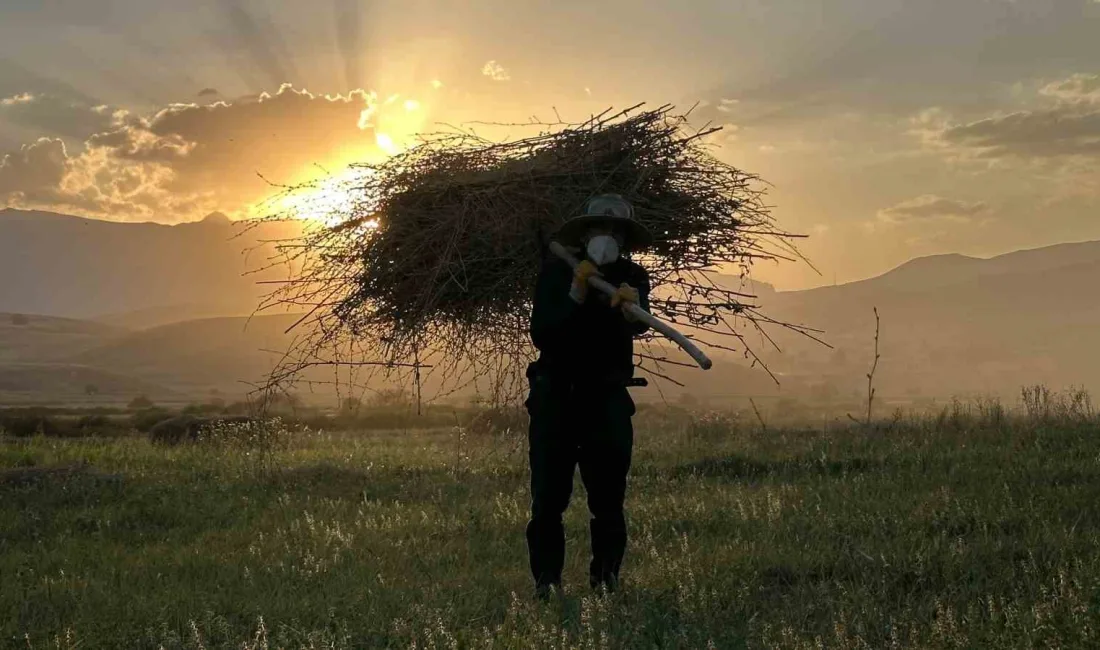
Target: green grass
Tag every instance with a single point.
(974, 529)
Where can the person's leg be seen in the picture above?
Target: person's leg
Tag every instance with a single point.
(552, 452)
(605, 462)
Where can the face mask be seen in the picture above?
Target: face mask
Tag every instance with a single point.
(603, 249)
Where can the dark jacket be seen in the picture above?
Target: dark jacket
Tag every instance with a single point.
(590, 341)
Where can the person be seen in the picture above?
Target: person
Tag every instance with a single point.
(580, 410)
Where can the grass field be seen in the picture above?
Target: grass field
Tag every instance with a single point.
(971, 529)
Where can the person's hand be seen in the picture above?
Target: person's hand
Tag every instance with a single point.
(583, 271)
(623, 296)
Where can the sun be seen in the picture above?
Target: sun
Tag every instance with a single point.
(394, 124)
(329, 201)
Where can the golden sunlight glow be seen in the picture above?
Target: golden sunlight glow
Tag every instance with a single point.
(385, 143)
(329, 201)
(397, 125)
(365, 117)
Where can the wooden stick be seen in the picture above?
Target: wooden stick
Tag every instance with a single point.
(649, 319)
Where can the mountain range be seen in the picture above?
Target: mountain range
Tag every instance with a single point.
(99, 311)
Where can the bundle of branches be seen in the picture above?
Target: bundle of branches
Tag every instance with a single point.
(437, 252)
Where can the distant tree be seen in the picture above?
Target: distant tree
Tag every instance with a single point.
(140, 402)
(19, 320)
(91, 389)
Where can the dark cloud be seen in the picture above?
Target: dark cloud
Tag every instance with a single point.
(1069, 128)
(222, 144)
(208, 92)
(932, 207)
(55, 116)
(35, 168)
(1041, 134)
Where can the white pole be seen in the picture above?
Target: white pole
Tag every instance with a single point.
(649, 319)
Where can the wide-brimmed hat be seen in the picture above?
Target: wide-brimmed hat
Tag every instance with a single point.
(608, 210)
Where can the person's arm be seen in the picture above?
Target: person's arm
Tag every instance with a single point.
(641, 283)
(553, 307)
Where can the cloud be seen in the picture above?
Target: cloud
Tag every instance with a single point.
(15, 100)
(495, 71)
(1077, 88)
(726, 105)
(1047, 133)
(36, 167)
(208, 92)
(728, 133)
(1068, 126)
(274, 135)
(188, 159)
(54, 115)
(43, 175)
(930, 207)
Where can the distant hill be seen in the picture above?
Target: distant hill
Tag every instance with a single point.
(30, 338)
(168, 303)
(198, 356)
(952, 324)
(25, 383)
(140, 319)
(85, 268)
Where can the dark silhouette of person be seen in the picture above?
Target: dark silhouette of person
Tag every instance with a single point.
(579, 405)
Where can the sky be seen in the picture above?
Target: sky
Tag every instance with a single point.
(886, 129)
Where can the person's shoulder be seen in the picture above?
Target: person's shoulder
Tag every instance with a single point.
(553, 265)
(633, 269)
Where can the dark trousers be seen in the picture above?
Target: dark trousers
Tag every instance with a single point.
(588, 426)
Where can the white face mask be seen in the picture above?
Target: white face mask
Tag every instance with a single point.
(603, 249)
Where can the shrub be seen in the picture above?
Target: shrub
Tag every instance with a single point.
(1044, 405)
(190, 428)
(25, 425)
(144, 420)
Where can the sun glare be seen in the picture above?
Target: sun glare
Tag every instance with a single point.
(332, 200)
(385, 143)
(329, 201)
